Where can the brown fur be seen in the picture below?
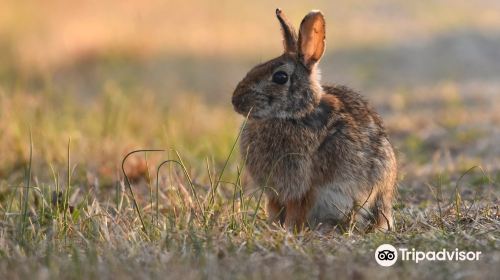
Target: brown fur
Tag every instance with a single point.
(322, 149)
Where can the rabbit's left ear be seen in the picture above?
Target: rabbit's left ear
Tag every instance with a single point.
(311, 42)
(289, 35)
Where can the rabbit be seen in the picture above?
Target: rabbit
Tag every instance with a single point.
(320, 151)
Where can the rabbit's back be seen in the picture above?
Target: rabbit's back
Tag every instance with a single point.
(355, 142)
(355, 164)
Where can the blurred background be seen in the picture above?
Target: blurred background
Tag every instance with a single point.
(118, 75)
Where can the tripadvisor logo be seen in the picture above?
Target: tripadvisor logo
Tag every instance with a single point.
(387, 255)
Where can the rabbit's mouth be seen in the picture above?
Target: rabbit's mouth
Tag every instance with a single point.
(242, 103)
(247, 111)
(256, 106)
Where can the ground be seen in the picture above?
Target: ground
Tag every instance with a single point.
(75, 98)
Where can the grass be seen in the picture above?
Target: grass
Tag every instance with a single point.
(79, 93)
(195, 219)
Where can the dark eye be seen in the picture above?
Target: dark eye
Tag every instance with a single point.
(280, 77)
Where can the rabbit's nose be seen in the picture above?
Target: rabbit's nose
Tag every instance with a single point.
(237, 100)
(240, 101)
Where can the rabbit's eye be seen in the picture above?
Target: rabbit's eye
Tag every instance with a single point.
(280, 77)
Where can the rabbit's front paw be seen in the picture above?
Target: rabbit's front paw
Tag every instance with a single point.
(296, 215)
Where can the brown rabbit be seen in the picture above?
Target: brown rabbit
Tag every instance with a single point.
(321, 152)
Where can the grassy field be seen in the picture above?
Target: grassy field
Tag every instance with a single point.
(84, 84)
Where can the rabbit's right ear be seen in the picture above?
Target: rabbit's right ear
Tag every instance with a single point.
(311, 43)
(289, 34)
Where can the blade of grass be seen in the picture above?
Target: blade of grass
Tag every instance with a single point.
(129, 186)
(181, 164)
(212, 198)
(27, 187)
(68, 189)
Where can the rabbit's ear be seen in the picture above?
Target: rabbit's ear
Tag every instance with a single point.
(311, 42)
(289, 34)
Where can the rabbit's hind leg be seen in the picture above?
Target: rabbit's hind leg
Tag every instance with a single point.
(382, 213)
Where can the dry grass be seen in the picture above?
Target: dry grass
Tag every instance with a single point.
(116, 85)
(441, 204)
